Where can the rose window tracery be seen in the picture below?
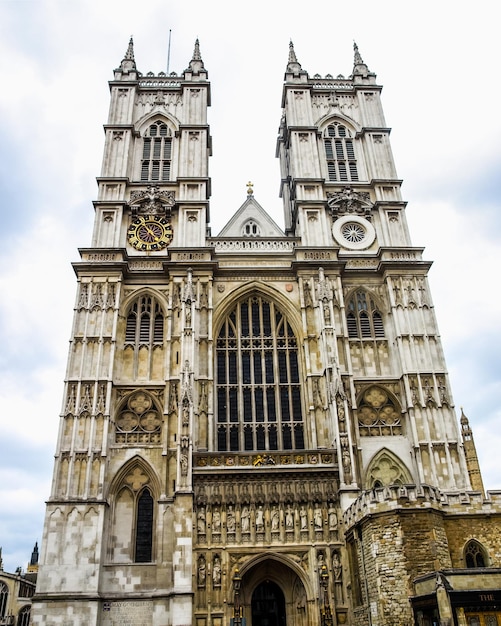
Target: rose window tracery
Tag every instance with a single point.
(378, 415)
(139, 421)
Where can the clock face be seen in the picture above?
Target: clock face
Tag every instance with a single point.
(150, 233)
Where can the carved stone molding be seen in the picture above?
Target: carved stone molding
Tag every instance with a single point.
(151, 201)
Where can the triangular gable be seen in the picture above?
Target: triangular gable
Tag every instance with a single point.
(251, 213)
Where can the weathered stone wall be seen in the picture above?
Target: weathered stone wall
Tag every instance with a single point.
(425, 545)
(486, 529)
(407, 533)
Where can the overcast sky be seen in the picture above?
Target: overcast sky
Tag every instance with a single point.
(439, 64)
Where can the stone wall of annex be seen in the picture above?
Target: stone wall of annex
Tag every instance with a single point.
(403, 533)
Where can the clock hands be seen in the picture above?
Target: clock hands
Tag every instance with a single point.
(148, 233)
(155, 237)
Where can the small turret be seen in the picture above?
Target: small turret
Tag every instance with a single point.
(360, 69)
(470, 452)
(33, 564)
(196, 65)
(127, 69)
(294, 70)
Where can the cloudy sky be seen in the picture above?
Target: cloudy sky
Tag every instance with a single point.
(439, 64)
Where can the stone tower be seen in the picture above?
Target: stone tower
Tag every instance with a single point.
(235, 404)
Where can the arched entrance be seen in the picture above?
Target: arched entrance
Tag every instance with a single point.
(268, 605)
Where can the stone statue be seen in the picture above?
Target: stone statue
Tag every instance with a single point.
(332, 518)
(337, 568)
(304, 518)
(201, 520)
(275, 519)
(230, 520)
(216, 521)
(216, 572)
(201, 571)
(260, 519)
(245, 519)
(317, 516)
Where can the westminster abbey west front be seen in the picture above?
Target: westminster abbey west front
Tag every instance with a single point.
(257, 427)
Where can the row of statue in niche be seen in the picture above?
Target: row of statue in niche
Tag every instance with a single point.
(273, 517)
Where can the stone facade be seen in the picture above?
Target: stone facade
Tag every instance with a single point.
(17, 591)
(256, 425)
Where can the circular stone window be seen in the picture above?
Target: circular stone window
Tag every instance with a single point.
(353, 232)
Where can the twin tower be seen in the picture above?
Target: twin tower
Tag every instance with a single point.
(257, 426)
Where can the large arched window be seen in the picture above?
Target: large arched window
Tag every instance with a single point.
(363, 318)
(4, 596)
(257, 380)
(157, 153)
(133, 515)
(474, 554)
(340, 153)
(24, 616)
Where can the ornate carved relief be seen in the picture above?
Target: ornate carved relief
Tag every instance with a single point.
(347, 201)
(151, 201)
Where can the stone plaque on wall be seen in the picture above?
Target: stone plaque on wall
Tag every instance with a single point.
(127, 613)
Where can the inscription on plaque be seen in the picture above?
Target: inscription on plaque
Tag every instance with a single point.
(131, 613)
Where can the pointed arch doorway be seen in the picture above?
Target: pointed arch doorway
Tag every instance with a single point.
(268, 605)
(275, 592)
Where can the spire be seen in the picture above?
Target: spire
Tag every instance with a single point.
(358, 57)
(129, 55)
(359, 67)
(465, 424)
(1, 560)
(196, 64)
(292, 64)
(196, 52)
(33, 564)
(34, 555)
(128, 63)
(470, 453)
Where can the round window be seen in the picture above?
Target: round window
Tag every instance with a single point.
(353, 232)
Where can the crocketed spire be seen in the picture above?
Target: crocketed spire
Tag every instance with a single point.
(293, 64)
(128, 62)
(196, 63)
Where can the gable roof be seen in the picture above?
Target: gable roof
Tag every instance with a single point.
(251, 211)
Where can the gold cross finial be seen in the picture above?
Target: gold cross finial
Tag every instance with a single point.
(249, 188)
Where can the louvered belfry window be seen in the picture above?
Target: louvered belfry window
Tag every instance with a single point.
(157, 153)
(340, 154)
(363, 319)
(145, 323)
(258, 381)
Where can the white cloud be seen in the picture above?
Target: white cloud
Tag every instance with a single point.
(439, 97)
